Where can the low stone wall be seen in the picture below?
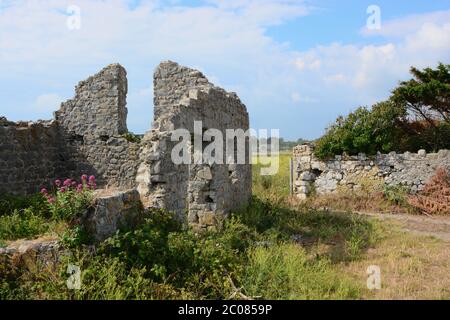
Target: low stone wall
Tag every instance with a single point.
(30, 154)
(111, 211)
(410, 170)
(42, 254)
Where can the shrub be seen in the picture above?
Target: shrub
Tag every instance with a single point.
(70, 199)
(170, 254)
(75, 236)
(131, 137)
(435, 197)
(396, 195)
(363, 130)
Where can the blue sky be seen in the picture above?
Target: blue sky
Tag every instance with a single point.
(295, 64)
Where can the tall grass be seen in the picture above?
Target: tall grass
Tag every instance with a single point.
(286, 271)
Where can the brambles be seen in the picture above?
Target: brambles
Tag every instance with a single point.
(435, 197)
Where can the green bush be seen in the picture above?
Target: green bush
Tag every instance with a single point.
(29, 217)
(200, 263)
(70, 203)
(396, 195)
(363, 130)
(131, 137)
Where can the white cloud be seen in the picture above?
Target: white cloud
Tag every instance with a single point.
(48, 102)
(371, 71)
(335, 78)
(308, 62)
(227, 39)
(297, 97)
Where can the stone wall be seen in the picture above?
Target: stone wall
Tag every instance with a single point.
(92, 125)
(410, 170)
(30, 155)
(87, 136)
(205, 191)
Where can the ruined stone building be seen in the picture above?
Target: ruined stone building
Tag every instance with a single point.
(87, 135)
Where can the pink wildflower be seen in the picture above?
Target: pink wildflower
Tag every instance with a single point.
(67, 182)
(62, 190)
(58, 183)
(51, 200)
(44, 191)
(84, 178)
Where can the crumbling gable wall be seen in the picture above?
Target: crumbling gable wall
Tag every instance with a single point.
(92, 125)
(205, 191)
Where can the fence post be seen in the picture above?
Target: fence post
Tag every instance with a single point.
(291, 176)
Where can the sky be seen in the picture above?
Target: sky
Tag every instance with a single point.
(295, 64)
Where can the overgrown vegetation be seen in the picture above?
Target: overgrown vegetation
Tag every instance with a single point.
(273, 249)
(131, 137)
(54, 211)
(161, 259)
(24, 217)
(416, 116)
(267, 250)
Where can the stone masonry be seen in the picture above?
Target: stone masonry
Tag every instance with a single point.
(206, 191)
(410, 170)
(87, 136)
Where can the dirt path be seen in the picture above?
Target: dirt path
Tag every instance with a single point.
(435, 226)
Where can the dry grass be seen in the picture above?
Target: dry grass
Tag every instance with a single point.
(412, 266)
(371, 197)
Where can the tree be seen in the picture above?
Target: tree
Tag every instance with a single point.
(426, 97)
(363, 130)
(416, 116)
